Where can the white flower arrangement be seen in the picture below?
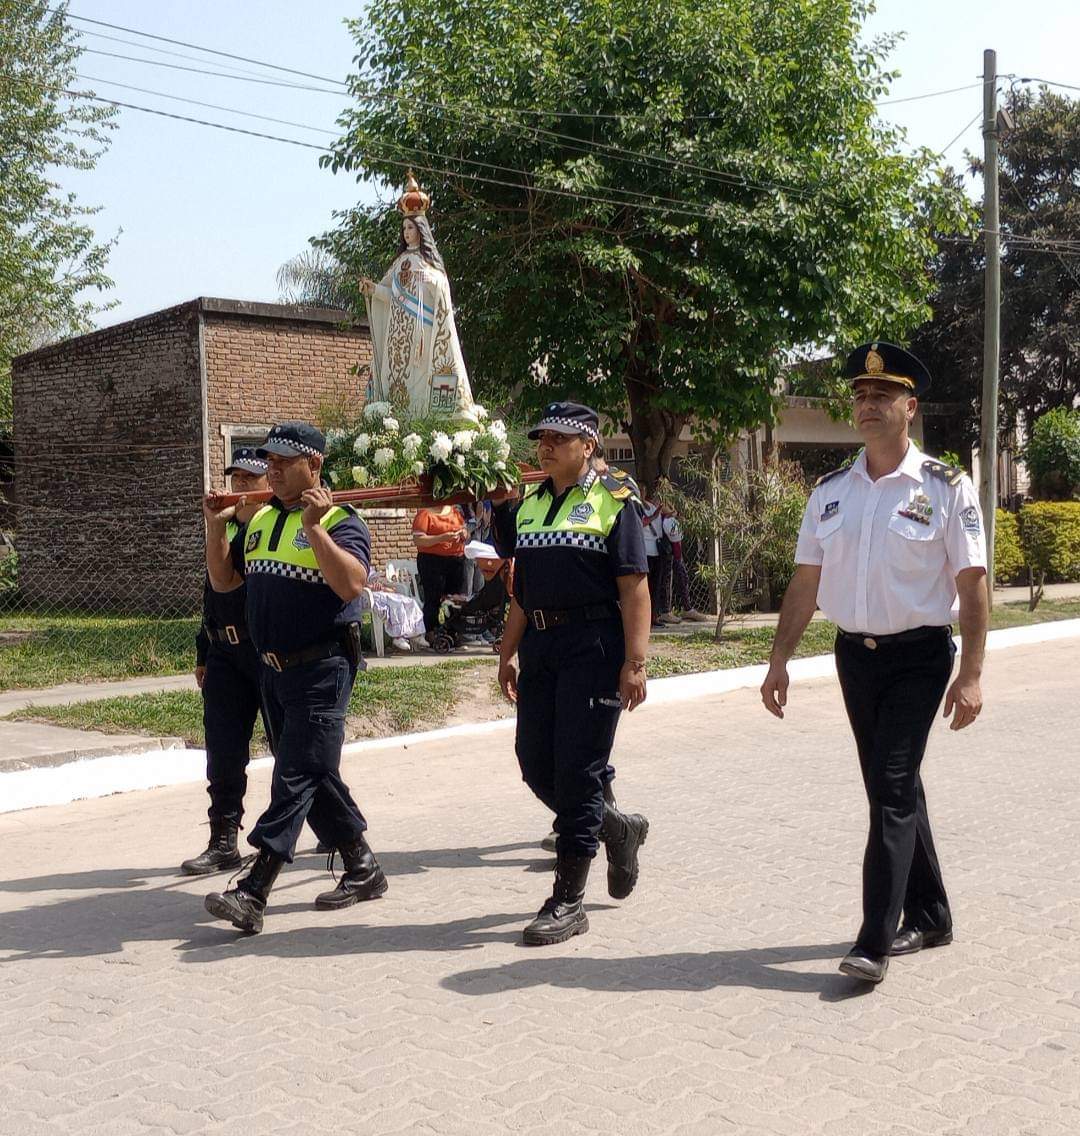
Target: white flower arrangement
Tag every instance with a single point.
(441, 446)
(377, 410)
(468, 454)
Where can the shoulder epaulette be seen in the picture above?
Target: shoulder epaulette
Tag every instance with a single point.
(621, 485)
(830, 475)
(950, 474)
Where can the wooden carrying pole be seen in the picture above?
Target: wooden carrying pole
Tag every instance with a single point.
(407, 495)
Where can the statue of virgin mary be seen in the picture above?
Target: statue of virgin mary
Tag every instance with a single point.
(416, 353)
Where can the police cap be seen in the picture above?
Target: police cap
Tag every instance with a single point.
(890, 363)
(291, 439)
(568, 418)
(248, 461)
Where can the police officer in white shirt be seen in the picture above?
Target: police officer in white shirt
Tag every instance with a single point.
(885, 547)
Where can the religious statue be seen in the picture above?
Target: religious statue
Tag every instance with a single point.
(416, 354)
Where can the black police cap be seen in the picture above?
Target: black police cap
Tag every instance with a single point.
(293, 438)
(886, 361)
(246, 459)
(568, 418)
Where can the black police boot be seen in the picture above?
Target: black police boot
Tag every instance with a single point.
(243, 905)
(563, 915)
(221, 853)
(362, 878)
(622, 835)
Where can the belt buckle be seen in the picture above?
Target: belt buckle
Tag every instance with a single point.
(232, 635)
(272, 661)
(870, 643)
(538, 620)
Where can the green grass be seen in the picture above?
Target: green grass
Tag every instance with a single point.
(45, 650)
(386, 701)
(744, 646)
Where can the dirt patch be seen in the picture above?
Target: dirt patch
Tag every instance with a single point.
(478, 698)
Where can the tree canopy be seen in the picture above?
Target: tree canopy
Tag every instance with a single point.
(49, 256)
(1040, 281)
(645, 206)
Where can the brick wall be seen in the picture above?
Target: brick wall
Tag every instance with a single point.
(262, 369)
(391, 535)
(109, 467)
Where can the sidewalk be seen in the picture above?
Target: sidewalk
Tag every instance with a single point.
(708, 1004)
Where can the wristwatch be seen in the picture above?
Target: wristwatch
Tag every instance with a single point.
(636, 665)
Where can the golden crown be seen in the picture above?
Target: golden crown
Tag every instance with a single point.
(414, 201)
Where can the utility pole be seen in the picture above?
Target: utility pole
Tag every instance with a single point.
(988, 451)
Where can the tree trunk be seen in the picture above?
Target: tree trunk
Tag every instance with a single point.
(653, 432)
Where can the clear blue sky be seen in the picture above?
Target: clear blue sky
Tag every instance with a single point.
(203, 212)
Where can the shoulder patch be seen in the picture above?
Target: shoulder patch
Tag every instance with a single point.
(830, 475)
(950, 474)
(621, 485)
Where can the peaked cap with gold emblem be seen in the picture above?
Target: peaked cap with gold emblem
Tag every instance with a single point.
(879, 360)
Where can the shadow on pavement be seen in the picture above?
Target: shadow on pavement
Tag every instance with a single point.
(142, 905)
(758, 969)
(216, 941)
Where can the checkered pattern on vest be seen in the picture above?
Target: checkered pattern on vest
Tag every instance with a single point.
(289, 571)
(561, 539)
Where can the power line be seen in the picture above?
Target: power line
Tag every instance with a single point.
(173, 54)
(960, 134)
(194, 46)
(1050, 83)
(653, 201)
(390, 161)
(570, 141)
(203, 71)
(927, 95)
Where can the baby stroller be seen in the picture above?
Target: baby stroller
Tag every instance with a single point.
(483, 617)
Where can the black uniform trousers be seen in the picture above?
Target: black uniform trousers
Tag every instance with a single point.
(892, 694)
(439, 576)
(305, 710)
(231, 702)
(568, 708)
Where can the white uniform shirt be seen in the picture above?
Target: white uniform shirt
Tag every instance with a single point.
(890, 549)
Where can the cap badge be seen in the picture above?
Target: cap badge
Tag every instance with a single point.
(875, 365)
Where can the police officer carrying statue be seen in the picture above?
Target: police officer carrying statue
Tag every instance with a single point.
(885, 547)
(227, 671)
(305, 562)
(579, 625)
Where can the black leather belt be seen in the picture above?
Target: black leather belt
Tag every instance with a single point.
(544, 619)
(232, 633)
(872, 642)
(278, 661)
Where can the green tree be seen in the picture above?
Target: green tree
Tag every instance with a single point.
(49, 256)
(315, 278)
(1053, 454)
(752, 517)
(678, 194)
(1040, 288)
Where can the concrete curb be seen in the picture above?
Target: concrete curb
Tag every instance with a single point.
(124, 773)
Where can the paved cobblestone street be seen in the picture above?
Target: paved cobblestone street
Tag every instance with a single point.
(708, 1003)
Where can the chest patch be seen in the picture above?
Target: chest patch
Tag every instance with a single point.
(831, 509)
(253, 541)
(300, 541)
(918, 509)
(579, 514)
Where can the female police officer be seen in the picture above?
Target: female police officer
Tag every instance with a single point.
(579, 623)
